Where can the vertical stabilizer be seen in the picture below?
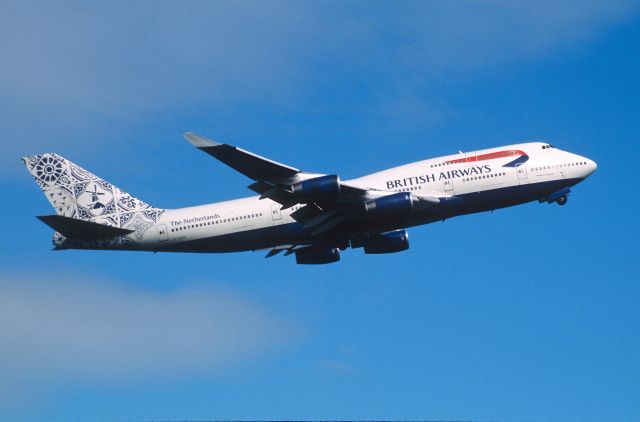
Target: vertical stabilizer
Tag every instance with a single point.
(77, 193)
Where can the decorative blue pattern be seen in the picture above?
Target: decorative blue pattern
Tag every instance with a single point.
(77, 193)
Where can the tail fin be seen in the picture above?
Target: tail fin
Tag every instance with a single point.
(76, 193)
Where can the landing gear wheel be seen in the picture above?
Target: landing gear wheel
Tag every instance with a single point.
(562, 200)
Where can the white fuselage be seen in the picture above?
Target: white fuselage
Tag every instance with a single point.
(465, 183)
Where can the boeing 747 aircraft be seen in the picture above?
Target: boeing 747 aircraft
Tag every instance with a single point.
(314, 216)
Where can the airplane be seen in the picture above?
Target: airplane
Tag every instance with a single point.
(312, 216)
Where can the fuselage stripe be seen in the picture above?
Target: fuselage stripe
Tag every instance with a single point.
(490, 156)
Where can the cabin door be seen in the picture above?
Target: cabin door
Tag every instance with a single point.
(448, 186)
(162, 233)
(276, 215)
(521, 170)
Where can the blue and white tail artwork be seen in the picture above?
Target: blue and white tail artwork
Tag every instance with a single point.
(77, 194)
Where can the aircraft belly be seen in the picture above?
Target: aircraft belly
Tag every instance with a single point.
(502, 197)
(474, 202)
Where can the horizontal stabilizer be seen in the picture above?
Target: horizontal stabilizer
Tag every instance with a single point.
(81, 229)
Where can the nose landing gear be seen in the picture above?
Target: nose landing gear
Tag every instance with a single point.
(559, 197)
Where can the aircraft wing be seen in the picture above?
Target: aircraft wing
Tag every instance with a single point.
(251, 165)
(328, 201)
(266, 173)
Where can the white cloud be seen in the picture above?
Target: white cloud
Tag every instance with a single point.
(114, 59)
(76, 329)
(71, 71)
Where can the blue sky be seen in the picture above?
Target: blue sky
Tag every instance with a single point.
(524, 313)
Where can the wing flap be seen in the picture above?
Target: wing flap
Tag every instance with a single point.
(306, 213)
(260, 186)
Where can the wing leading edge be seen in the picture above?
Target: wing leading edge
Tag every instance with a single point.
(251, 165)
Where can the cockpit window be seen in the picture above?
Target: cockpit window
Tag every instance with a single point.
(547, 146)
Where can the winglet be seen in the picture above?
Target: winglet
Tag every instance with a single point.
(200, 141)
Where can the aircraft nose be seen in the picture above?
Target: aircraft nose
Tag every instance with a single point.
(591, 165)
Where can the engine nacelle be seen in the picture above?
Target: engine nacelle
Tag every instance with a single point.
(391, 204)
(318, 187)
(395, 241)
(317, 255)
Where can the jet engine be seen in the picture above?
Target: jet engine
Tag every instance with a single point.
(317, 255)
(318, 187)
(391, 204)
(390, 242)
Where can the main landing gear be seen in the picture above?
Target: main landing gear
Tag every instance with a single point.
(562, 200)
